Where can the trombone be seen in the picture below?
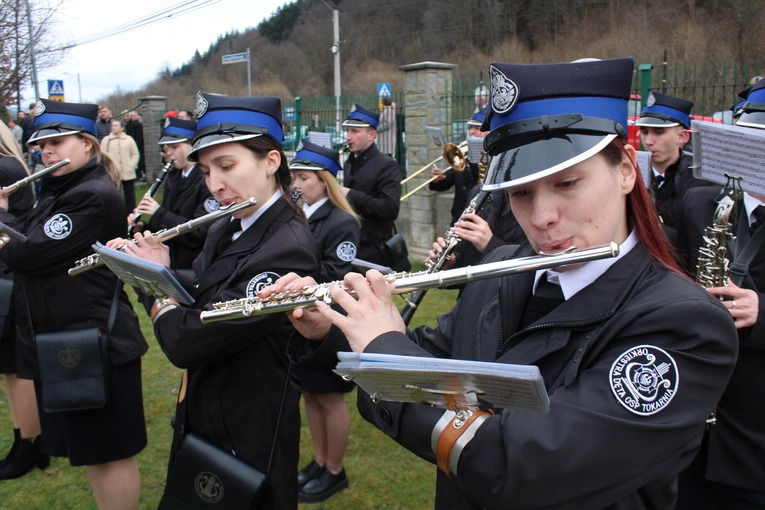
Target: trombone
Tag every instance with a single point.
(456, 155)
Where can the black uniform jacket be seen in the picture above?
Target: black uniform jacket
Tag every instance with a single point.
(184, 199)
(736, 443)
(75, 210)
(669, 198)
(504, 227)
(590, 451)
(463, 182)
(337, 236)
(375, 193)
(237, 368)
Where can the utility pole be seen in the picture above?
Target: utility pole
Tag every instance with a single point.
(336, 53)
(32, 50)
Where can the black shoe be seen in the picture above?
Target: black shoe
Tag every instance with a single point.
(28, 456)
(14, 448)
(322, 487)
(308, 473)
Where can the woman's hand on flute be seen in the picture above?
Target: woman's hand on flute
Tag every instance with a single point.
(307, 321)
(146, 246)
(372, 315)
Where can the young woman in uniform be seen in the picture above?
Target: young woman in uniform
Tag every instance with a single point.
(336, 228)
(236, 371)
(79, 205)
(633, 355)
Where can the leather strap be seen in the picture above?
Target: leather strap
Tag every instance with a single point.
(453, 431)
(161, 306)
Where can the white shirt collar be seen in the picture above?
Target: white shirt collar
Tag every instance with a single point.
(252, 218)
(751, 204)
(574, 280)
(186, 173)
(310, 209)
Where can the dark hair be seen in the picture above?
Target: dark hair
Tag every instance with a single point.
(261, 146)
(641, 211)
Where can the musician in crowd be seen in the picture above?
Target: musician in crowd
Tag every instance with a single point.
(336, 228)
(664, 131)
(237, 372)
(371, 183)
(80, 204)
(463, 181)
(632, 353)
(26, 450)
(729, 471)
(491, 226)
(185, 196)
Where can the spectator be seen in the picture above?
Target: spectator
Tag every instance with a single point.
(27, 123)
(17, 132)
(104, 122)
(124, 151)
(185, 115)
(315, 124)
(134, 129)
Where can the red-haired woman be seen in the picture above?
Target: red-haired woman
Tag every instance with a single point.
(633, 355)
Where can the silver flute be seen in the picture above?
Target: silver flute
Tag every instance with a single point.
(26, 181)
(93, 261)
(403, 282)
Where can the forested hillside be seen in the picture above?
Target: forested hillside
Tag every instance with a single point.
(291, 49)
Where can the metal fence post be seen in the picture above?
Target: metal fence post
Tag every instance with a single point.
(298, 110)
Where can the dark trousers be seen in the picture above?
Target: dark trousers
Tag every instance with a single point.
(129, 191)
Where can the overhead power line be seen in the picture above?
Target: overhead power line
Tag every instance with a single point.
(176, 10)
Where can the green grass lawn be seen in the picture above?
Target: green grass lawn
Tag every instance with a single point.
(382, 474)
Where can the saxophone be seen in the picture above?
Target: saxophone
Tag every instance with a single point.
(712, 267)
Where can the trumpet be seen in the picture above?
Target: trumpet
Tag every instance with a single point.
(7, 233)
(151, 192)
(455, 155)
(26, 181)
(403, 283)
(93, 261)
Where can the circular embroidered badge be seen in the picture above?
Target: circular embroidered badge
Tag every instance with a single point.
(651, 100)
(201, 104)
(644, 379)
(346, 251)
(58, 226)
(208, 487)
(260, 281)
(211, 205)
(39, 108)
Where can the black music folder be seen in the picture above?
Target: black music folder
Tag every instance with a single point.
(426, 380)
(152, 278)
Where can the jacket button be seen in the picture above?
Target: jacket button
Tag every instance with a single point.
(386, 417)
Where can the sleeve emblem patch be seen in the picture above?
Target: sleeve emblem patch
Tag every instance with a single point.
(211, 205)
(261, 281)
(346, 251)
(58, 227)
(644, 379)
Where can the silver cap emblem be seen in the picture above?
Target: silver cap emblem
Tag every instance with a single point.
(504, 91)
(202, 104)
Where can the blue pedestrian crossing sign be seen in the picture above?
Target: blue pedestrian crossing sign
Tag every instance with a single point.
(383, 89)
(56, 90)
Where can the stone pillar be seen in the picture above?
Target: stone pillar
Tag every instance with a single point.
(425, 215)
(152, 110)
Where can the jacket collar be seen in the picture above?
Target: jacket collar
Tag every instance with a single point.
(359, 160)
(322, 212)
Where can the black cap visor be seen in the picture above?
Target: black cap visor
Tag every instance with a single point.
(542, 157)
(53, 129)
(306, 164)
(222, 133)
(356, 123)
(172, 139)
(752, 119)
(658, 121)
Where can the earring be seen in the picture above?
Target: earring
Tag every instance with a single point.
(270, 175)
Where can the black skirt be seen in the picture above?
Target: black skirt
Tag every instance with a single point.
(312, 381)
(97, 436)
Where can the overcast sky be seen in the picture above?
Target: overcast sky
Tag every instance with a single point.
(131, 59)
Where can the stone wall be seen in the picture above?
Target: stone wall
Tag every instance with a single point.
(152, 110)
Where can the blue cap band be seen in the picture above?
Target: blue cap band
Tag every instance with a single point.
(175, 130)
(756, 96)
(681, 117)
(88, 125)
(320, 159)
(611, 108)
(478, 116)
(366, 118)
(248, 118)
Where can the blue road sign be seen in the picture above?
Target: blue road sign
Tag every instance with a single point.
(383, 89)
(56, 90)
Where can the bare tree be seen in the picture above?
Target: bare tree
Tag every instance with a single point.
(24, 24)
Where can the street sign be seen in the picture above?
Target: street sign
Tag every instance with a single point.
(235, 58)
(383, 89)
(289, 113)
(56, 90)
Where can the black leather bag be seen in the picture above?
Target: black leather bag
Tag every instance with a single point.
(204, 476)
(73, 370)
(397, 253)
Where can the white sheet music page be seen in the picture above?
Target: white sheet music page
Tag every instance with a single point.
(425, 380)
(720, 149)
